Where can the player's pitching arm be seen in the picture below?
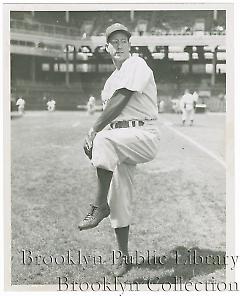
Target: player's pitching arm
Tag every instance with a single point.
(113, 108)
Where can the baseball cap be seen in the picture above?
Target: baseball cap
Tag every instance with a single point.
(117, 27)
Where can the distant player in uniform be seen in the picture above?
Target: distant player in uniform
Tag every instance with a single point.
(21, 105)
(176, 105)
(91, 105)
(187, 104)
(51, 105)
(124, 135)
(161, 106)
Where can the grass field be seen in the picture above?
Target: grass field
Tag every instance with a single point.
(179, 200)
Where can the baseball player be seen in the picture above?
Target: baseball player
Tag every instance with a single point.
(51, 105)
(91, 105)
(176, 105)
(21, 104)
(187, 104)
(124, 135)
(161, 106)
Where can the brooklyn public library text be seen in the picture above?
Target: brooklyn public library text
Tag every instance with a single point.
(149, 257)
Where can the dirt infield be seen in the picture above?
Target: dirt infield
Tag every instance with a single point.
(179, 203)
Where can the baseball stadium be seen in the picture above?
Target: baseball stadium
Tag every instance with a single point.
(179, 198)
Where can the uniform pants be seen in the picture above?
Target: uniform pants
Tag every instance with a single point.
(119, 151)
(187, 114)
(20, 109)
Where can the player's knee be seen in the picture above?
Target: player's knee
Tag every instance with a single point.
(102, 146)
(100, 141)
(103, 153)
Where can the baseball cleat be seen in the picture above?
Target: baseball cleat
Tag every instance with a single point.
(122, 267)
(94, 217)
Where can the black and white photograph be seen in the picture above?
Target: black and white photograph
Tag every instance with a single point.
(119, 156)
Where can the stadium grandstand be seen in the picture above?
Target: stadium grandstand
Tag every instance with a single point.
(61, 54)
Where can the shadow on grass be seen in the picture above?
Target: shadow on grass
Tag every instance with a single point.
(189, 264)
(16, 116)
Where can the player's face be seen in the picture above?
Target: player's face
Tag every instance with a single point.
(120, 42)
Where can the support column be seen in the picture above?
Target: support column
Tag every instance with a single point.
(215, 15)
(67, 16)
(51, 69)
(75, 62)
(132, 15)
(96, 62)
(166, 52)
(67, 66)
(96, 59)
(33, 68)
(190, 52)
(214, 64)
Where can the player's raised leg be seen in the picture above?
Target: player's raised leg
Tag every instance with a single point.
(100, 208)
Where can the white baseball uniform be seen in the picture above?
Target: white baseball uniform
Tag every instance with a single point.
(91, 105)
(187, 106)
(20, 103)
(51, 105)
(121, 149)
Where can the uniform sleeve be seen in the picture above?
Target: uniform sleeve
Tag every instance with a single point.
(195, 96)
(182, 101)
(134, 75)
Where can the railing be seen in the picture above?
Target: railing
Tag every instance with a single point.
(48, 29)
(19, 25)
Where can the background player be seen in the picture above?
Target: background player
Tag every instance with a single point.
(21, 105)
(187, 104)
(91, 105)
(51, 105)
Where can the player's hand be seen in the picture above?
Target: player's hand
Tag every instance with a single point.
(88, 143)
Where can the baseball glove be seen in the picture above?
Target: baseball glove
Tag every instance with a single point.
(88, 143)
(88, 151)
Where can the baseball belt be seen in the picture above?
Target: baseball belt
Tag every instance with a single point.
(126, 123)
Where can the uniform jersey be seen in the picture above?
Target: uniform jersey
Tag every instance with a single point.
(91, 102)
(134, 75)
(20, 102)
(187, 101)
(51, 103)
